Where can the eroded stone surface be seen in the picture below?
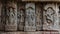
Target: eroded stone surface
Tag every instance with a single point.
(38, 17)
(21, 16)
(50, 16)
(11, 16)
(30, 17)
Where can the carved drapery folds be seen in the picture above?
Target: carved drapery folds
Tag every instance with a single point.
(21, 17)
(38, 17)
(30, 17)
(11, 17)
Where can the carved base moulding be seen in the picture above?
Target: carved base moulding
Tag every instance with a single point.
(10, 28)
(29, 28)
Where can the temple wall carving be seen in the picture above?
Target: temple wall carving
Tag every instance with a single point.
(21, 17)
(11, 16)
(38, 17)
(15, 16)
(30, 17)
(50, 17)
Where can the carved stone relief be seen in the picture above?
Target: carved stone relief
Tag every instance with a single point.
(49, 18)
(11, 18)
(30, 17)
(38, 17)
(21, 16)
(50, 15)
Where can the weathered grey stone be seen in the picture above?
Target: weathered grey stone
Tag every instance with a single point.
(49, 15)
(30, 17)
(11, 16)
(20, 16)
(38, 17)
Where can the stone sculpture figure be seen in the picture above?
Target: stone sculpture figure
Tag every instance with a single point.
(38, 17)
(50, 15)
(30, 18)
(11, 17)
(49, 18)
(20, 16)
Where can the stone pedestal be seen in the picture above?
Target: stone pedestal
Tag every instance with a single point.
(30, 24)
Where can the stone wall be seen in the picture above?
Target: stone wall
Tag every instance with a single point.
(30, 18)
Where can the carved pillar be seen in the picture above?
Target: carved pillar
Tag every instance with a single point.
(30, 17)
(38, 17)
(20, 16)
(11, 16)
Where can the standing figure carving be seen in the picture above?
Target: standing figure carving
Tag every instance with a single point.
(30, 17)
(49, 18)
(21, 17)
(50, 15)
(11, 17)
(38, 17)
